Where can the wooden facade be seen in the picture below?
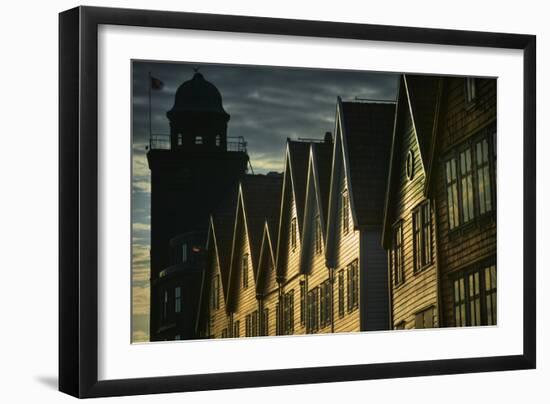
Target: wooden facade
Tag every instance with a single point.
(440, 213)
(309, 260)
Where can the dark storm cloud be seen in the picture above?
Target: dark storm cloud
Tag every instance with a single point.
(267, 105)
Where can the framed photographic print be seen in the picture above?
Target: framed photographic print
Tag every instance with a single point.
(251, 201)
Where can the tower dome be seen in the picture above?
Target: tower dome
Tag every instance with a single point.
(197, 95)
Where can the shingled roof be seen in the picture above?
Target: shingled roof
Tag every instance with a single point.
(367, 132)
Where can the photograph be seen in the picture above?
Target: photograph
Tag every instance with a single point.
(281, 201)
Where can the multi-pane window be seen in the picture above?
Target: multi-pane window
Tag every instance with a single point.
(224, 333)
(215, 296)
(341, 286)
(198, 140)
(466, 185)
(469, 180)
(483, 176)
(422, 235)
(318, 235)
(474, 297)
(397, 262)
(353, 286)
(452, 192)
(288, 312)
(177, 299)
(425, 318)
(470, 89)
(278, 321)
(313, 310)
(293, 233)
(244, 270)
(302, 302)
(265, 322)
(236, 329)
(345, 211)
(325, 304)
(255, 323)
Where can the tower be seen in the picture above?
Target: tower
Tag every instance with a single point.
(191, 170)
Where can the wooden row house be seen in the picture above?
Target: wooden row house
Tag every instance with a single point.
(440, 221)
(305, 257)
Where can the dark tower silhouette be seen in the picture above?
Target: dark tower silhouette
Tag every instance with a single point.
(191, 171)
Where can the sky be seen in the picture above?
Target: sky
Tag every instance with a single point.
(267, 105)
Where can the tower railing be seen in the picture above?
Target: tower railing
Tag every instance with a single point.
(162, 142)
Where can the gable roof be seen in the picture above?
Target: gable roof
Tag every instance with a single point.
(258, 201)
(294, 184)
(266, 250)
(420, 97)
(322, 157)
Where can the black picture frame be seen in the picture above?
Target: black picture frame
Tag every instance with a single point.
(78, 203)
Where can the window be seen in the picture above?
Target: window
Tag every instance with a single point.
(265, 322)
(474, 295)
(452, 193)
(341, 286)
(302, 302)
(288, 313)
(409, 165)
(224, 333)
(422, 236)
(325, 304)
(218, 140)
(469, 180)
(177, 300)
(215, 296)
(198, 140)
(247, 325)
(184, 253)
(254, 323)
(180, 139)
(165, 306)
(244, 270)
(318, 235)
(353, 286)
(483, 176)
(397, 262)
(466, 185)
(470, 89)
(293, 233)
(236, 329)
(177, 337)
(425, 319)
(345, 211)
(313, 310)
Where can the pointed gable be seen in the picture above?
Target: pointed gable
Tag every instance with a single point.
(424, 95)
(266, 278)
(322, 157)
(298, 153)
(258, 199)
(418, 102)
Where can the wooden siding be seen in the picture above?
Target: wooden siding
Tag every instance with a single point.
(477, 241)
(218, 316)
(419, 290)
(346, 251)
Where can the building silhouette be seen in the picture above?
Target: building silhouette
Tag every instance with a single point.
(191, 169)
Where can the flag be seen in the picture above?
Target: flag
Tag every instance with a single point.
(156, 84)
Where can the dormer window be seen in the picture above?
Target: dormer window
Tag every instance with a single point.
(198, 140)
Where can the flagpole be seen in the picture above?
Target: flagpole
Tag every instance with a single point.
(150, 84)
